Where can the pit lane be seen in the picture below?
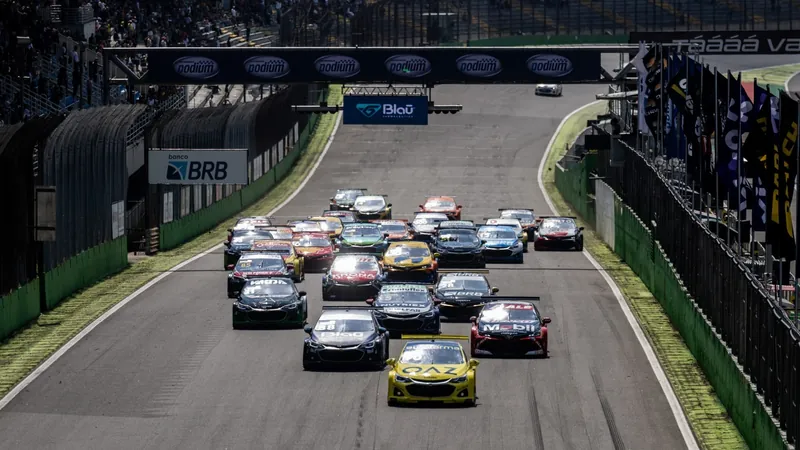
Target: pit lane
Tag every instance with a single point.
(167, 371)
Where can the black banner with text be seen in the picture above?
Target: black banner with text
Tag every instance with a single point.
(784, 42)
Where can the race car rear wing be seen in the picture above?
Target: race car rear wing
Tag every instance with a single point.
(352, 189)
(557, 217)
(435, 337)
(483, 271)
(500, 298)
(342, 308)
(515, 209)
(388, 220)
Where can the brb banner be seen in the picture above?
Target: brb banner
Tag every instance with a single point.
(385, 110)
(178, 166)
(436, 65)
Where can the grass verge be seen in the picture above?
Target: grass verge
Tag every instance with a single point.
(707, 416)
(23, 352)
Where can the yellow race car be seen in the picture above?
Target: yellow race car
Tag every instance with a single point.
(331, 225)
(410, 261)
(293, 261)
(432, 370)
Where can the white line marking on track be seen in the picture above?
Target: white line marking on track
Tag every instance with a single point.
(83, 333)
(672, 399)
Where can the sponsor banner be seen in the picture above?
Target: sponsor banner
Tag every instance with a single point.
(782, 42)
(473, 65)
(385, 110)
(177, 166)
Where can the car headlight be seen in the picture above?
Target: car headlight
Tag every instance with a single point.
(399, 379)
(461, 379)
(428, 314)
(290, 306)
(243, 306)
(518, 244)
(370, 344)
(315, 345)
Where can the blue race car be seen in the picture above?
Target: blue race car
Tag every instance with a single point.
(406, 308)
(500, 244)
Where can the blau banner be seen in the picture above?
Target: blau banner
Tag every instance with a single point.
(385, 110)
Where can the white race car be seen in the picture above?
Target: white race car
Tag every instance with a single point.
(553, 90)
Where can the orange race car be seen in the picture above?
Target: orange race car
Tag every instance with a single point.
(316, 250)
(442, 204)
(397, 229)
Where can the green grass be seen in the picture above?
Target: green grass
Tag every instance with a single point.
(707, 416)
(23, 352)
(776, 76)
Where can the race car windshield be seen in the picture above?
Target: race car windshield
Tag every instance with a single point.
(345, 325)
(276, 250)
(306, 226)
(268, 290)
(459, 237)
(525, 217)
(392, 227)
(370, 203)
(440, 204)
(555, 226)
(351, 265)
(475, 284)
(259, 264)
(405, 296)
(411, 252)
(328, 226)
(362, 231)
(497, 234)
(347, 196)
(248, 237)
(500, 314)
(428, 220)
(308, 241)
(431, 354)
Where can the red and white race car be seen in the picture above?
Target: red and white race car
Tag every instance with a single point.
(509, 326)
(353, 277)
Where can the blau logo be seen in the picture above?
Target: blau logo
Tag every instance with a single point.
(337, 66)
(550, 65)
(483, 66)
(196, 67)
(269, 67)
(176, 170)
(368, 109)
(411, 66)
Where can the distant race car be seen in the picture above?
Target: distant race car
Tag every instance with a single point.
(345, 216)
(558, 233)
(305, 226)
(255, 265)
(395, 229)
(361, 238)
(315, 249)
(410, 261)
(345, 336)
(526, 218)
(344, 198)
(432, 371)
(270, 301)
(285, 248)
(510, 326)
(372, 207)
(458, 247)
(442, 204)
(249, 223)
(516, 225)
(461, 295)
(457, 226)
(501, 244)
(280, 232)
(553, 90)
(424, 225)
(331, 225)
(242, 241)
(352, 277)
(406, 308)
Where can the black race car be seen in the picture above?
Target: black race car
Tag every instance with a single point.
(372, 207)
(458, 247)
(406, 308)
(270, 301)
(461, 294)
(255, 265)
(241, 241)
(345, 216)
(558, 233)
(344, 198)
(346, 336)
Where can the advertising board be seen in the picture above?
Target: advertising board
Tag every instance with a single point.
(211, 166)
(385, 110)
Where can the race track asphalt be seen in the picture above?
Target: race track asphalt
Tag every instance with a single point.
(168, 371)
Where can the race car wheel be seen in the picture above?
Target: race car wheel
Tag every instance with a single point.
(392, 402)
(579, 247)
(236, 326)
(470, 403)
(525, 248)
(231, 294)
(307, 366)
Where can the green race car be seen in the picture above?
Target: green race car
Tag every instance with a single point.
(362, 238)
(270, 302)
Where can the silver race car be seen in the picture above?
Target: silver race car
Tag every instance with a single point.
(552, 90)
